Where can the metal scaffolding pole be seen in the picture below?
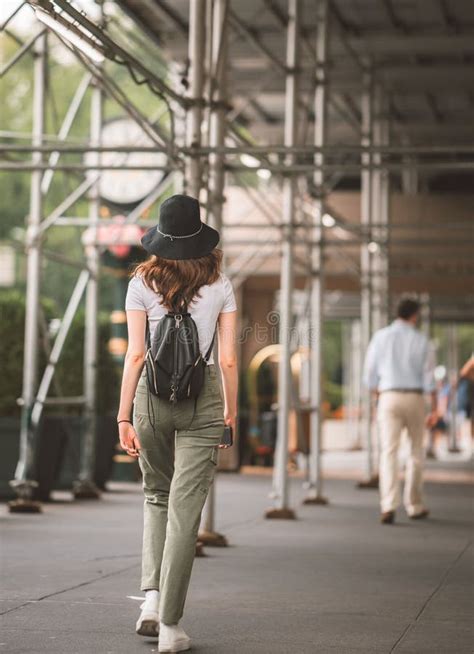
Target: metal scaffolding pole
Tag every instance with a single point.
(197, 39)
(53, 142)
(315, 487)
(215, 200)
(376, 190)
(346, 347)
(24, 481)
(425, 314)
(217, 99)
(355, 384)
(397, 154)
(385, 220)
(84, 486)
(410, 174)
(280, 472)
(380, 216)
(64, 130)
(295, 169)
(379, 245)
(366, 266)
(20, 53)
(453, 372)
(425, 328)
(66, 322)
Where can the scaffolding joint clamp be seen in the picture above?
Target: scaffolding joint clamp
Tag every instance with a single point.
(195, 102)
(220, 104)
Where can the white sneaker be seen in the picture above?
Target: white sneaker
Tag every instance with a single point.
(149, 620)
(173, 638)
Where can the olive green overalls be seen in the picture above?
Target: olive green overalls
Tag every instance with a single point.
(178, 459)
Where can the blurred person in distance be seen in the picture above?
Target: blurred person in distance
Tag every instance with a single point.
(441, 425)
(466, 391)
(399, 369)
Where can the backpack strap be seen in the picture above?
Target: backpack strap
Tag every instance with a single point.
(208, 353)
(148, 399)
(147, 333)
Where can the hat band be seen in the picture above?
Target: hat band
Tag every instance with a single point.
(173, 236)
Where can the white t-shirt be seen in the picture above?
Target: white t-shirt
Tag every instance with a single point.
(215, 299)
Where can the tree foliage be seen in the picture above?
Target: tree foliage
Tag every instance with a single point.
(69, 371)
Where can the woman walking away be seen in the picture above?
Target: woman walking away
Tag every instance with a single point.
(177, 300)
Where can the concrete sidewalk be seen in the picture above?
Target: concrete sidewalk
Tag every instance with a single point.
(332, 581)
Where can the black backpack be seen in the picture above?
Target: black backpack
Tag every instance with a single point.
(174, 363)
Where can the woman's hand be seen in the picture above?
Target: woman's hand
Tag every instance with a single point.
(129, 439)
(229, 419)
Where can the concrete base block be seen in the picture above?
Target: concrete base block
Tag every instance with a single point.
(84, 489)
(21, 505)
(316, 499)
(213, 539)
(280, 514)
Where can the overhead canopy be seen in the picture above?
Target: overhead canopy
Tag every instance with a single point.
(421, 51)
(420, 55)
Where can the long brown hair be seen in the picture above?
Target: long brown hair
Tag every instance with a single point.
(178, 281)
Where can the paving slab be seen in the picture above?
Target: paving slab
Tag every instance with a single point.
(334, 580)
(438, 638)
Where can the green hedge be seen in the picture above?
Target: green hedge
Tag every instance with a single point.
(69, 371)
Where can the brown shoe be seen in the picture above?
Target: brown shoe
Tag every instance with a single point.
(387, 517)
(419, 516)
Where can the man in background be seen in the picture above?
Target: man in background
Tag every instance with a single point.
(398, 368)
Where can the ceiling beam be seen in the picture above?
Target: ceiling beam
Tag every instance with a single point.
(414, 78)
(383, 44)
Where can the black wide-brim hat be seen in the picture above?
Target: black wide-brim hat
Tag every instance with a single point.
(180, 233)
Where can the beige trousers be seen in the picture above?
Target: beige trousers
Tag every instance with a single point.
(396, 411)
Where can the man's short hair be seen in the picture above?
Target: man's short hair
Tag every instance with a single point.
(407, 308)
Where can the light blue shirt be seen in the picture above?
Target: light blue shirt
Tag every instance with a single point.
(399, 356)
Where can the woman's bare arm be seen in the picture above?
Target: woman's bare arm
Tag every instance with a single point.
(227, 327)
(134, 360)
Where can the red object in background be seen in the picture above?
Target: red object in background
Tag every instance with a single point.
(263, 450)
(118, 237)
